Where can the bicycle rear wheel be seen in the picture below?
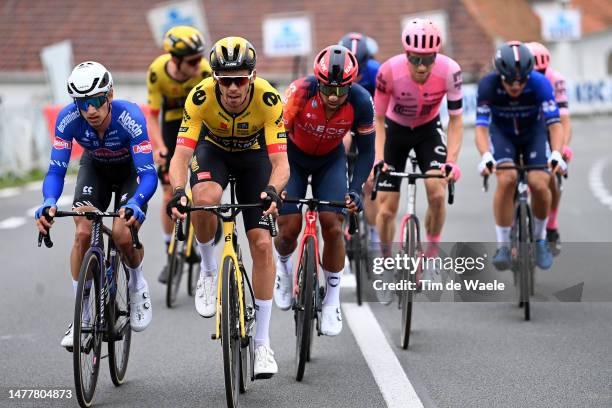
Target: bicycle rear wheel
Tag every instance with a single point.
(406, 296)
(119, 317)
(304, 306)
(230, 332)
(175, 272)
(87, 331)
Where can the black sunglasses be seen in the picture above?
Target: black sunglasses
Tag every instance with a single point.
(95, 101)
(417, 60)
(227, 81)
(328, 90)
(512, 81)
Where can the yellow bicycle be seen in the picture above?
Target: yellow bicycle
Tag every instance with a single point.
(235, 317)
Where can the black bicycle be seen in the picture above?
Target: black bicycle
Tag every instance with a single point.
(308, 295)
(411, 238)
(521, 235)
(102, 306)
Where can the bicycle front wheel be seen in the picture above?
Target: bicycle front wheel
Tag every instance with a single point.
(87, 330)
(230, 332)
(406, 295)
(119, 318)
(304, 306)
(525, 255)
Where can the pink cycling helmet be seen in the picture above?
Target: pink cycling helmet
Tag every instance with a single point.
(540, 54)
(421, 36)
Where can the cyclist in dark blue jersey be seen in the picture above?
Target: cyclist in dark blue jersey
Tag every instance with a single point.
(117, 155)
(516, 105)
(360, 46)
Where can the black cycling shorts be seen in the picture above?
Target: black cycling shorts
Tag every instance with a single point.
(96, 183)
(428, 142)
(251, 168)
(169, 132)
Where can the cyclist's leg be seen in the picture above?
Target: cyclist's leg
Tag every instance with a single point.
(326, 184)
(169, 131)
(397, 147)
(536, 153)
(90, 193)
(209, 176)
(431, 153)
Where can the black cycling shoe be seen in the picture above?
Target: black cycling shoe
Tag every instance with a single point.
(554, 241)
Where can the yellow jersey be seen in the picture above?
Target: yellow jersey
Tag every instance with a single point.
(260, 125)
(168, 94)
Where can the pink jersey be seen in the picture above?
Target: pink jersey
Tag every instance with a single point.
(558, 83)
(410, 104)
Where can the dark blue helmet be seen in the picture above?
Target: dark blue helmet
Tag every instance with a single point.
(514, 61)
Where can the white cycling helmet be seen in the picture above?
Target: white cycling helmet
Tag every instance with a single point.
(89, 78)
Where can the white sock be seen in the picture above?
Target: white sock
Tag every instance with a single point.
(287, 263)
(75, 284)
(332, 287)
(137, 280)
(539, 228)
(503, 235)
(374, 238)
(167, 238)
(263, 311)
(208, 265)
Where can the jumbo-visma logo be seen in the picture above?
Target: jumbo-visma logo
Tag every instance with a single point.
(143, 147)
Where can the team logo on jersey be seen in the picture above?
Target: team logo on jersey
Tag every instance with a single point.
(130, 124)
(143, 147)
(199, 96)
(223, 125)
(243, 125)
(60, 144)
(270, 98)
(67, 119)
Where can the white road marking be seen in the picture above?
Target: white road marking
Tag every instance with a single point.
(12, 222)
(598, 188)
(396, 388)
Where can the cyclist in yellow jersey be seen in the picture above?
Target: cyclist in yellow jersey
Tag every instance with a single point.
(170, 78)
(241, 120)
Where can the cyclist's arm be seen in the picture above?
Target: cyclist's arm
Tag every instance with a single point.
(365, 135)
(482, 139)
(179, 166)
(155, 130)
(276, 144)
(455, 137)
(140, 148)
(53, 184)
(567, 129)
(556, 136)
(455, 109)
(154, 99)
(483, 115)
(382, 96)
(280, 170)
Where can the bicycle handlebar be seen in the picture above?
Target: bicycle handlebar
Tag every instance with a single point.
(412, 176)
(519, 168)
(90, 215)
(313, 203)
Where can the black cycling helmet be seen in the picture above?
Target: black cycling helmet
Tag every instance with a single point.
(514, 61)
(357, 44)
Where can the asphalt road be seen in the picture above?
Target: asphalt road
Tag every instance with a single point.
(461, 354)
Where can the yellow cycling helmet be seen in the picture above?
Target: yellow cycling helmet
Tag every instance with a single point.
(231, 53)
(182, 41)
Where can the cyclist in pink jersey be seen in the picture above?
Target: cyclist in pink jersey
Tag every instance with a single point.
(542, 62)
(409, 90)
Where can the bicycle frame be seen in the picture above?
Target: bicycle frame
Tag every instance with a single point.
(310, 230)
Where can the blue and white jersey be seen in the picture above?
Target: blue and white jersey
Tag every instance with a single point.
(515, 116)
(125, 140)
(368, 75)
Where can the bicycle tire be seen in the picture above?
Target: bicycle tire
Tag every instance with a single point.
(119, 315)
(406, 296)
(304, 306)
(175, 272)
(91, 344)
(230, 332)
(244, 346)
(525, 255)
(193, 276)
(357, 264)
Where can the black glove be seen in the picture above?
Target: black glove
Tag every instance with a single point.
(271, 195)
(356, 198)
(175, 201)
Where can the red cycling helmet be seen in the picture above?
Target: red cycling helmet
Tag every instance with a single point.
(336, 66)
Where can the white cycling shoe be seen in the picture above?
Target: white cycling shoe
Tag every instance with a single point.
(265, 365)
(206, 296)
(283, 286)
(67, 340)
(141, 310)
(331, 320)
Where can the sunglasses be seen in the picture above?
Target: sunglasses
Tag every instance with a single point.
(417, 60)
(512, 81)
(193, 62)
(95, 101)
(227, 81)
(328, 90)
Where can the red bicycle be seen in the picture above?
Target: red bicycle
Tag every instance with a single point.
(307, 293)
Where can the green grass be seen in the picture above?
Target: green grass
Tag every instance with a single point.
(12, 180)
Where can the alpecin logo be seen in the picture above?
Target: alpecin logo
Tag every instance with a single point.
(66, 120)
(143, 147)
(60, 144)
(130, 124)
